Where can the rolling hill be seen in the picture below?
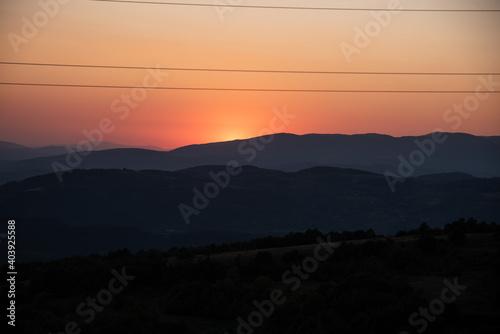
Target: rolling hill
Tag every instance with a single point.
(255, 201)
(478, 156)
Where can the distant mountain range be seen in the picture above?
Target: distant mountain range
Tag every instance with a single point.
(142, 198)
(478, 156)
(11, 151)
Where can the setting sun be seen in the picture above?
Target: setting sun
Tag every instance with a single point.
(260, 166)
(137, 35)
(232, 135)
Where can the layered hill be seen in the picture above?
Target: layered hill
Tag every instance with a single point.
(475, 155)
(255, 201)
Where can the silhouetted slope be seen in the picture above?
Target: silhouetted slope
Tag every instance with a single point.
(478, 156)
(12, 152)
(257, 200)
(46, 239)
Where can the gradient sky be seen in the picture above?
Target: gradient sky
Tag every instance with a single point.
(100, 33)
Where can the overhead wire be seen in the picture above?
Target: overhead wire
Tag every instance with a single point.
(250, 89)
(295, 7)
(198, 69)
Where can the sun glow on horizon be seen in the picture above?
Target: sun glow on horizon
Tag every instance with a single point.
(231, 134)
(112, 34)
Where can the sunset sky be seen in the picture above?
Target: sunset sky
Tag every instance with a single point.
(121, 34)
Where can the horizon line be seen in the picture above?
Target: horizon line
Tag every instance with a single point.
(162, 149)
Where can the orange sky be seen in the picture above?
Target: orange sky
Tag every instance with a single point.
(89, 32)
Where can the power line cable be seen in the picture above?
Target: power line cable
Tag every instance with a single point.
(246, 70)
(296, 7)
(252, 89)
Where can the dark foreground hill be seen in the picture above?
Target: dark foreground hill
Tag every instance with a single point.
(46, 239)
(438, 281)
(255, 201)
